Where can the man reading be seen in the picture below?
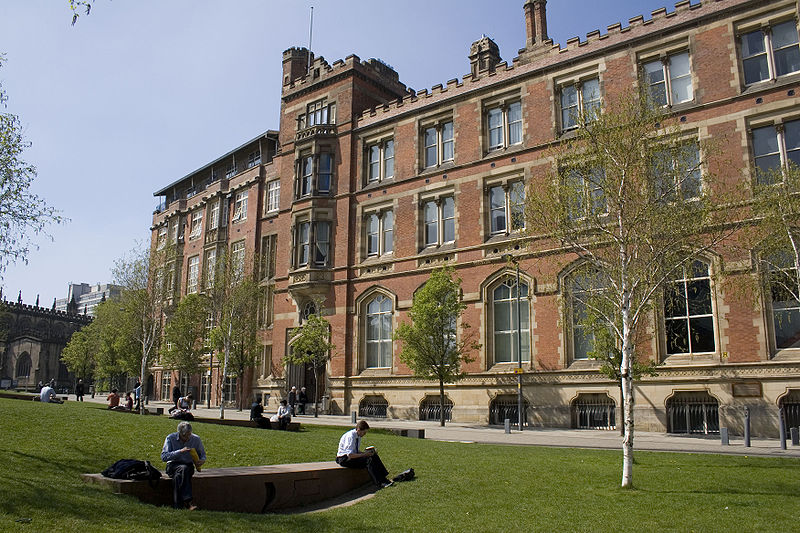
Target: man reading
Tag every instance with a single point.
(182, 452)
(349, 455)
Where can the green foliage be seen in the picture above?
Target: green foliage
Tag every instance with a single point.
(184, 335)
(23, 214)
(80, 353)
(459, 486)
(311, 345)
(433, 348)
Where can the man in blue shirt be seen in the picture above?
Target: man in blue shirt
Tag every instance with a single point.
(349, 456)
(183, 451)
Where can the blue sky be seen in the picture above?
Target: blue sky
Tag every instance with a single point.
(142, 92)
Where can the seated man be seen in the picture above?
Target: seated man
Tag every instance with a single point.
(113, 399)
(182, 452)
(349, 455)
(283, 417)
(128, 402)
(257, 414)
(48, 395)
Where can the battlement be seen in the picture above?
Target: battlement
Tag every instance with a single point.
(549, 56)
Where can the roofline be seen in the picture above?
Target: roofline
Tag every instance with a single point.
(266, 134)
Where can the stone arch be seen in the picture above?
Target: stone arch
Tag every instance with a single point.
(692, 411)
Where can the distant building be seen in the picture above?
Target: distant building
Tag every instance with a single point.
(87, 296)
(31, 341)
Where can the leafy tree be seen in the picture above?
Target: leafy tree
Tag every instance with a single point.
(776, 236)
(184, 335)
(141, 307)
(311, 344)
(22, 213)
(630, 201)
(111, 337)
(432, 347)
(79, 355)
(233, 296)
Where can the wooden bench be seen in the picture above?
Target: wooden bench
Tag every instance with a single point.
(292, 426)
(250, 489)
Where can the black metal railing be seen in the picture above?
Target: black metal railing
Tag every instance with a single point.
(373, 408)
(693, 415)
(431, 409)
(500, 409)
(595, 413)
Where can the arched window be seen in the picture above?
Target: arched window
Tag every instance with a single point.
(692, 412)
(688, 311)
(504, 309)
(373, 407)
(310, 308)
(24, 365)
(379, 332)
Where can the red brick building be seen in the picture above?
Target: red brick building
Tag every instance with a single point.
(367, 185)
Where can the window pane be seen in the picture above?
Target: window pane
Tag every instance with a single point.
(569, 107)
(388, 232)
(785, 47)
(495, 120)
(677, 336)
(755, 69)
(752, 43)
(702, 331)
(654, 77)
(372, 235)
(516, 197)
(690, 175)
(448, 219)
(447, 141)
(374, 162)
(497, 209)
(388, 159)
(325, 169)
(515, 123)
(431, 223)
(590, 92)
(787, 328)
(765, 141)
(698, 294)
(430, 147)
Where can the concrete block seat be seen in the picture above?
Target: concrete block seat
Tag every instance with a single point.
(250, 489)
(292, 426)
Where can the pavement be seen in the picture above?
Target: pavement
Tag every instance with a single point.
(532, 436)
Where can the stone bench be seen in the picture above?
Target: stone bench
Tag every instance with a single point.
(292, 426)
(249, 489)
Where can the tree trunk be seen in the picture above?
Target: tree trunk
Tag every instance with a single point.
(626, 381)
(224, 377)
(441, 402)
(316, 394)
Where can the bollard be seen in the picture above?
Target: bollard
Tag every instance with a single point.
(353, 417)
(795, 436)
(508, 426)
(747, 427)
(723, 435)
(194, 405)
(782, 428)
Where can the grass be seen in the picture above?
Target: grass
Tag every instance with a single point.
(459, 487)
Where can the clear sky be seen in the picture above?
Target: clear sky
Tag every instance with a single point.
(142, 92)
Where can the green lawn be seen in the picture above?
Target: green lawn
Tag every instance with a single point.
(459, 487)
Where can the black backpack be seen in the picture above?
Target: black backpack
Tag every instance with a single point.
(132, 469)
(406, 475)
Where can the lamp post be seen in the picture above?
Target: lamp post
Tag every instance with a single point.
(520, 402)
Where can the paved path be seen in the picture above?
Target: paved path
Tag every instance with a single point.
(561, 438)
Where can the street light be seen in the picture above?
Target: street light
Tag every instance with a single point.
(510, 258)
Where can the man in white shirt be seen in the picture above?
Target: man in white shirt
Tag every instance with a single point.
(349, 455)
(48, 395)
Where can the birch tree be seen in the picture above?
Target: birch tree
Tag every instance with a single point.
(631, 199)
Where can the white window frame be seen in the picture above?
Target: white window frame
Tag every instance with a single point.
(213, 215)
(768, 44)
(192, 274)
(669, 76)
(382, 233)
(196, 228)
(238, 256)
(318, 112)
(161, 239)
(589, 106)
(175, 228)
(513, 203)
(524, 303)
(240, 207)
(784, 153)
(273, 196)
(312, 243)
(678, 188)
(683, 279)
(510, 121)
(253, 159)
(441, 222)
(211, 267)
(591, 196)
(442, 143)
(384, 338)
(379, 158)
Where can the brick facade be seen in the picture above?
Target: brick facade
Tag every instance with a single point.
(361, 158)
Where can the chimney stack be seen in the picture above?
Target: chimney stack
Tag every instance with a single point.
(484, 55)
(535, 22)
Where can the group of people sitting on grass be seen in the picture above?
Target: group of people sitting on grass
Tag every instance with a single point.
(114, 401)
(184, 453)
